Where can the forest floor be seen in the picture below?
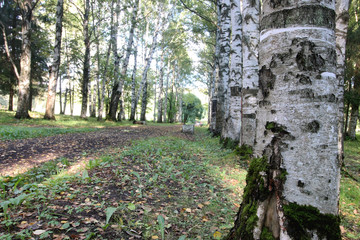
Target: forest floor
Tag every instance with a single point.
(121, 181)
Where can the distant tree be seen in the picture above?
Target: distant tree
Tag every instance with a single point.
(54, 69)
(191, 108)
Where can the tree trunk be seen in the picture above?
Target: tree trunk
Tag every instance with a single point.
(11, 98)
(86, 69)
(72, 94)
(60, 96)
(354, 113)
(224, 70)
(25, 61)
(118, 87)
(134, 98)
(93, 109)
(166, 94)
(54, 68)
(102, 97)
(65, 100)
(250, 85)
(155, 101)
(293, 187)
(144, 102)
(161, 90)
(232, 126)
(143, 86)
(342, 20)
(114, 100)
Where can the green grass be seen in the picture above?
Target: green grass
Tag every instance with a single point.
(10, 132)
(194, 185)
(350, 191)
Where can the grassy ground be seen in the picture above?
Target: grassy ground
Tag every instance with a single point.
(37, 126)
(160, 188)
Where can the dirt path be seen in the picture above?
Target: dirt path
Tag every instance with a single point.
(20, 155)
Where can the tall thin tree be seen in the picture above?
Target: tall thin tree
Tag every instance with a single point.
(54, 69)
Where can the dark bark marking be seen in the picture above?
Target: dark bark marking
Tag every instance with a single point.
(318, 16)
(235, 91)
(266, 81)
(313, 126)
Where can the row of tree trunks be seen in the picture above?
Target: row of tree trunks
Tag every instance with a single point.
(296, 132)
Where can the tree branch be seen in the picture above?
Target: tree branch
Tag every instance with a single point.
(8, 52)
(197, 14)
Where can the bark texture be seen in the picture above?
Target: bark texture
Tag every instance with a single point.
(134, 98)
(114, 100)
(342, 20)
(161, 92)
(292, 188)
(54, 69)
(27, 7)
(224, 70)
(250, 85)
(232, 126)
(86, 68)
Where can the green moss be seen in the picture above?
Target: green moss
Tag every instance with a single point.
(302, 218)
(275, 127)
(283, 175)
(245, 152)
(266, 234)
(254, 192)
(229, 143)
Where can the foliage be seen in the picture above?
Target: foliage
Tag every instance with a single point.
(191, 108)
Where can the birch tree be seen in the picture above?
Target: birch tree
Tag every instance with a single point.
(161, 90)
(119, 81)
(232, 126)
(250, 85)
(224, 70)
(293, 187)
(134, 98)
(86, 66)
(342, 21)
(54, 69)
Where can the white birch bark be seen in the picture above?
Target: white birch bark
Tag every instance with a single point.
(232, 124)
(214, 89)
(166, 93)
(224, 70)
(297, 126)
(86, 67)
(54, 69)
(118, 87)
(342, 20)
(250, 85)
(133, 89)
(161, 90)
(114, 100)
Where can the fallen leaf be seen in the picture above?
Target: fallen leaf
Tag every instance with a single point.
(217, 235)
(154, 237)
(39, 232)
